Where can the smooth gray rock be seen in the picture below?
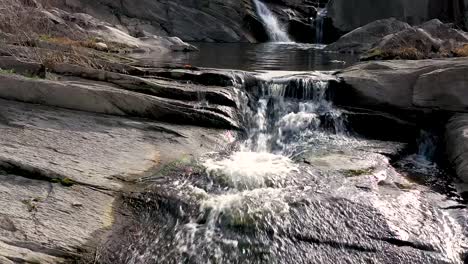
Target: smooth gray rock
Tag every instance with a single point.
(62, 172)
(214, 20)
(348, 15)
(431, 40)
(456, 138)
(403, 85)
(98, 97)
(391, 38)
(445, 88)
(364, 38)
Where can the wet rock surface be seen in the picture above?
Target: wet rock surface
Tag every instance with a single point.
(264, 169)
(299, 189)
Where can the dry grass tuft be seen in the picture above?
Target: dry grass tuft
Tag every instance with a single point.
(403, 53)
(461, 51)
(65, 41)
(406, 53)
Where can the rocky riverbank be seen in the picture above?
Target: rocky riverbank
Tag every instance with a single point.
(73, 141)
(96, 145)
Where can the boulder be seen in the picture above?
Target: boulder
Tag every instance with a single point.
(456, 139)
(101, 46)
(348, 15)
(364, 38)
(431, 40)
(405, 85)
(393, 39)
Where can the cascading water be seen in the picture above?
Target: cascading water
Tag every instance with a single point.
(319, 23)
(297, 190)
(275, 30)
(291, 111)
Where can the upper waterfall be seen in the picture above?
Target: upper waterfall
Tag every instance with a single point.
(274, 28)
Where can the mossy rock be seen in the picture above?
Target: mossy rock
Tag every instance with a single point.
(359, 172)
(67, 182)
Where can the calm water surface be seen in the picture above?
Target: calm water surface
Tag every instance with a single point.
(249, 57)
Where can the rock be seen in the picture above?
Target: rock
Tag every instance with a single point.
(104, 98)
(445, 88)
(173, 43)
(22, 67)
(364, 38)
(62, 172)
(213, 21)
(86, 24)
(431, 40)
(413, 44)
(401, 85)
(393, 39)
(456, 139)
(351, 206)
(380, 125)
(348, 15)
(101, 46)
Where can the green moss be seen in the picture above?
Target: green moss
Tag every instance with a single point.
(359, 172)
(45, 37)
(5, 71)
(67, 182)
(33, 76)
(13, 71)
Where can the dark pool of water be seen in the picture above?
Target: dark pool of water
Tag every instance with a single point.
(249, 57)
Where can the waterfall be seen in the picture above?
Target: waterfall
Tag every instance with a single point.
(291, 111)
(319, 21)
(274, 28)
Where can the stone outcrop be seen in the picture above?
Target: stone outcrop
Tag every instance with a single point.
(364, 38)
(348, 15)
(393, 39)
(62, 172)
(213, 21)
(73, 140)
(406, 85)
(201, 21)
(456, 139)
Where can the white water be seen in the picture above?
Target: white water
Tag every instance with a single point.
(275, 30)
(291, 113)
(319, 21)
(252, 198)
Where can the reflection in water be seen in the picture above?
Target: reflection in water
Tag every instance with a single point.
(250, 57)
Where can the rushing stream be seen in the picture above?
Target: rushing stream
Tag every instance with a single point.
(297, 188)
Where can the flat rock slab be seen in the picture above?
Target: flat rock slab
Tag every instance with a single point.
(108, 99)
(445, 89)
(62, 171)
(406, 85)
